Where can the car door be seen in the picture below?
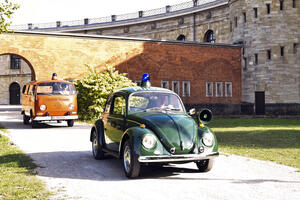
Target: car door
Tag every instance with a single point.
(114, 123)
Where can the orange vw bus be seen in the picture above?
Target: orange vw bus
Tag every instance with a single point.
(51, 100)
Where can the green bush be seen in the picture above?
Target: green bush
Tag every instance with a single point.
(94, 89)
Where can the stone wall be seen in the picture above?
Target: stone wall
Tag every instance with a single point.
(9, 76)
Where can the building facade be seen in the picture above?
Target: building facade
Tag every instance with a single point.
(15, 72)
(268, 31)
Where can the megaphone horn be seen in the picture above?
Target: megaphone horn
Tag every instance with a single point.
(205, 116)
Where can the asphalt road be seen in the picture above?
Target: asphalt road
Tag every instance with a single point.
(67, 166)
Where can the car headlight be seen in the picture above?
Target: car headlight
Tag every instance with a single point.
(71, 106)
(43, 107)
(149, 141)
(208, 139)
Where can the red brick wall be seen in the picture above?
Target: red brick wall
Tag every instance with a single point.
(195, 63)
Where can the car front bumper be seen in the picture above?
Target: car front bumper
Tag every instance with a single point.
(177, 158)
(54, 118)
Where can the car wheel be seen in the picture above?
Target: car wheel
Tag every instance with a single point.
(70, 123)
(131, 164)
(205, 165)
(26, 119)
(96, 147)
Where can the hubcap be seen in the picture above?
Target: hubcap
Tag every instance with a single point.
(95, 145)
(126, 158)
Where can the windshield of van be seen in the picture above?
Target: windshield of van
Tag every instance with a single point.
(154, 101)
(50, 88)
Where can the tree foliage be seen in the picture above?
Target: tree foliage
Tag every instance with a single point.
(7, 8)
(94, 89)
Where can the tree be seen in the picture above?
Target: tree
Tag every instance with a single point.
(6, 10)
(94, 89)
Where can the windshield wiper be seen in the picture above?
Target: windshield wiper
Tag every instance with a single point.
(154, 108)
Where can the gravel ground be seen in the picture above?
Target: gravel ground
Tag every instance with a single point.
(67, 166)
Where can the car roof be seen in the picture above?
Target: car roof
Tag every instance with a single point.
(47, 81)
(130, 90)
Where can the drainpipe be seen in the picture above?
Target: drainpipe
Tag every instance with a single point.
(194, 27)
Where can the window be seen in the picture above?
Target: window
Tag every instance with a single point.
(295, 48)
(175, 86)
(209, 89)
(256, 59)
(24, 89)
(138, 82)
(245, 63)
(255, 12)
(107, 106)
(186, 88)
(228, 89)
(281, 5)
(235, 21)
(281, 51)
(181, 38)
(15, 62)
(245, 17)
(268, 8)
(165, 84)
(219, 89)
(294, 3)
(269, 57)
(119, 106)
(210, 37)
(230, 26)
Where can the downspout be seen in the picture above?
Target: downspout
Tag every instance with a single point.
(194, 27)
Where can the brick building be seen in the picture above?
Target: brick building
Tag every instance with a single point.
(201, 73)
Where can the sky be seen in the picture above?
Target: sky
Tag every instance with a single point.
(42, 11)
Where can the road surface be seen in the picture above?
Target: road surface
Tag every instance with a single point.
(67, 166)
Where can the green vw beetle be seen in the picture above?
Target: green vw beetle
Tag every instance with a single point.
(143, 125)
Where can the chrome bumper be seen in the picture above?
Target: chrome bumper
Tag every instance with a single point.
(177, 158)
(53, 118)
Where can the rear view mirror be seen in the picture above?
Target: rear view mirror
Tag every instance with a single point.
(192, 111)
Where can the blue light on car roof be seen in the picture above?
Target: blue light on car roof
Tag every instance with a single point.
(146, 80)
(54, 76)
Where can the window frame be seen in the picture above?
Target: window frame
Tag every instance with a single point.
(221, 86)
(15, 62)
(162, 84)
(178, 84)
(188, 88)
(226, 91)
(211, 94)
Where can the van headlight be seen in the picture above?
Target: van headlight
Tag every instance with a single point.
(149, 141)
(208, 139)
(43, 107)
(71, 106)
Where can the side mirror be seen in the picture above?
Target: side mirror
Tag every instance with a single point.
(205, 116)
(192, 111)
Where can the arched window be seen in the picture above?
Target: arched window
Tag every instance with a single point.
(210, 37)
(181, 38)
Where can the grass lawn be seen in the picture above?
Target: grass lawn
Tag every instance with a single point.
(16, 178)
(275, 140)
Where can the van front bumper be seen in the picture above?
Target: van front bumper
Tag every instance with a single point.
(54, 118)
(177, 158)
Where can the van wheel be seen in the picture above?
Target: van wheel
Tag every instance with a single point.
(26, 119)
(70, 122)
(33, 123)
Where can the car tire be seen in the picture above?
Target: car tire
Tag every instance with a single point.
(205, 165)
(26, 119)
(33, 123)
(96, 147)
(70, 122)
(130, 162)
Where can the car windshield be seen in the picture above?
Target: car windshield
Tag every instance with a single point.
(149, 101)
(57, 88)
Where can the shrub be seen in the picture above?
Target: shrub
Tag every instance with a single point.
(94, 89)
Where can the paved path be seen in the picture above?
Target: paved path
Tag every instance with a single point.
(67, 166)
